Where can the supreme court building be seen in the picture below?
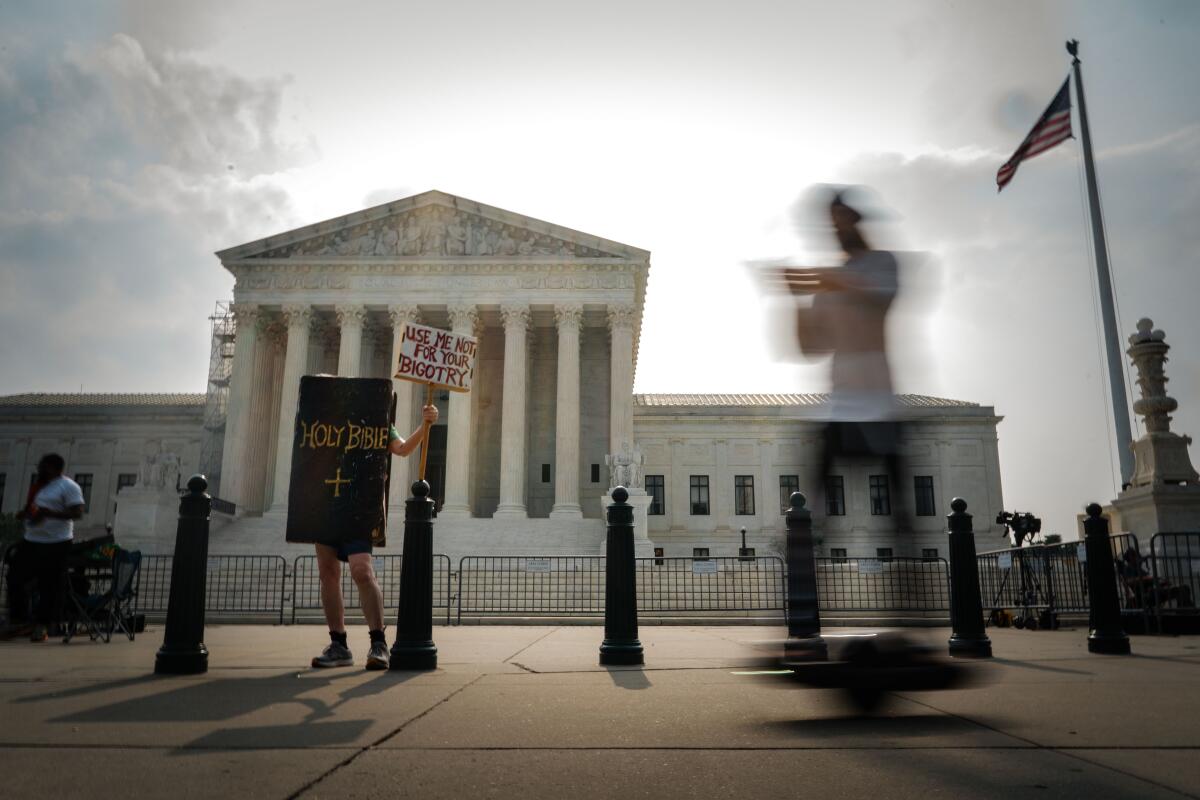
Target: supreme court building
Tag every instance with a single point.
(521, 463)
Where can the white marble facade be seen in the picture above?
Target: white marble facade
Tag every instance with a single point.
(111, 443)
(545, 302)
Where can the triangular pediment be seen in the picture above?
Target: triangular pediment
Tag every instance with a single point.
(432, 225)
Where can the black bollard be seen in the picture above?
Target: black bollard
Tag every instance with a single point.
(621, 644)
(967, 638)
(803, 613)
(183, 651)
(1104, 617)
(414, 648)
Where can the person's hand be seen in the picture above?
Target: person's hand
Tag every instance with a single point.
(36, 514)
(429, 414)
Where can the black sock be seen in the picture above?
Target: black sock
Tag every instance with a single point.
(338, 638)
(377, 636)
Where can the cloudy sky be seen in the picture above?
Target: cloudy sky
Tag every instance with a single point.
(137, 138)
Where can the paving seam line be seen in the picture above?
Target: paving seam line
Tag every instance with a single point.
(350, 759)
(531, 644)
(1056, 750)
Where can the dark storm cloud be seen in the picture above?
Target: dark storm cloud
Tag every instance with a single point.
(125, 165)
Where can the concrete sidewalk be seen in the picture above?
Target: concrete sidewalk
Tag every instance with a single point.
(526, 712)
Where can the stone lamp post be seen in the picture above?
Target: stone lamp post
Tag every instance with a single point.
(1164, 492)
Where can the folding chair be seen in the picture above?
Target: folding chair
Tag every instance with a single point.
(122, 596)
(100, 613)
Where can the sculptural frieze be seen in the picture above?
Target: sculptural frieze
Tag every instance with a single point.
(436, 231)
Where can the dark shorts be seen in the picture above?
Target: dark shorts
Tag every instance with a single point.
(347, 549)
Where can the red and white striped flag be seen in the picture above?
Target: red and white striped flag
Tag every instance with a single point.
(1053, 127)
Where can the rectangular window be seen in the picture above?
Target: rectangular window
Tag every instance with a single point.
(658, 556)
(84, 479)
(881, 502)
(700, 553)
(929, 554)
(838, 554)
(126, 479)
(3, 480)
(835, 496)
(545, 473)
(923, 488)
(656, 488)
(787, 485)
(698, 495)
(595, 473)
(743, 495)
(883, 553)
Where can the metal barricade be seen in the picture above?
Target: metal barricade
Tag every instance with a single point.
(306, 586)
(1048, 578)
(1174, 577)
(883, 584)
(531, 585)
(236, 587)
(716, 584)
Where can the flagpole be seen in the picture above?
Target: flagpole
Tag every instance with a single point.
(1108, 314)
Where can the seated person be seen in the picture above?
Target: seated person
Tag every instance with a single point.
(1147, 591)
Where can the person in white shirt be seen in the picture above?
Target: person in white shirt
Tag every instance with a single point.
(55, 502)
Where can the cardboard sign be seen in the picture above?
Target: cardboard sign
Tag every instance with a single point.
(429, 355)
(340, 461)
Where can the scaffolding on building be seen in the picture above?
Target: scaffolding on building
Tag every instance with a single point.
(220, 368)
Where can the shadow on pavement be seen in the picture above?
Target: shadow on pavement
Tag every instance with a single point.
(223, 698)
(627, 678)
(859, 725)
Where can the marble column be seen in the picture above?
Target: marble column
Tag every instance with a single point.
(566, 424)
(276, 336)
(260, 420)
(620, 432)
(299, 321)
(240, 404)
(463, 320)
(15, 485)
(512, 422)
(351, 320)
(679, 488)
(402, 468)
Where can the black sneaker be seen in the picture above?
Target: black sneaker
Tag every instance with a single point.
(335, 655)
(378, 657)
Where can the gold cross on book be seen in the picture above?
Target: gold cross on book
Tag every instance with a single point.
(337, 483)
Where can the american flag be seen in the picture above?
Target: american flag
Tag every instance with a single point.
(1053, 127)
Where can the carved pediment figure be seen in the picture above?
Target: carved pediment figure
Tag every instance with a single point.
(411, 245)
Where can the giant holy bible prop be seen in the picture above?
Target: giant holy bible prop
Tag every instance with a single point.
(340, 461)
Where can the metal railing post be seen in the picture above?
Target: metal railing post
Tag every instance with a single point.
(621, 644)
(414, 648)
(183, 651)
(1106, 634)
(967, 638)
(803, 614)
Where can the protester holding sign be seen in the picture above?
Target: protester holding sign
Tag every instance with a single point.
(342, 452)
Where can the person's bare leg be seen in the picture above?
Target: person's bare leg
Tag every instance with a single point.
(329, 569)
(369, 593)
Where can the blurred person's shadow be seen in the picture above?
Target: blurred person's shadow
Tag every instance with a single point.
(879, 724)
